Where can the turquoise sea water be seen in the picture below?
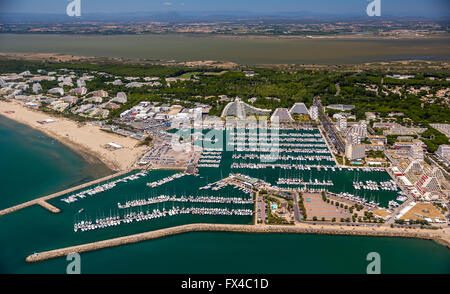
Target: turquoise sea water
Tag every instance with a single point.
(34, 165)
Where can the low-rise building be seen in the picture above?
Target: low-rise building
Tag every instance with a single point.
(341, 107)
(59, 91)
(121, 97)
(100, 93)
(370, 116)
(79, 91)
(37, 88)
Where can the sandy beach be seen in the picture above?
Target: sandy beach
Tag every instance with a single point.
(85, 139)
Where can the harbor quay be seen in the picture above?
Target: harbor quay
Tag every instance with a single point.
(441, 236)
(42, 200)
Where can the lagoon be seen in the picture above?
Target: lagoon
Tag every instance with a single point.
(242, 50)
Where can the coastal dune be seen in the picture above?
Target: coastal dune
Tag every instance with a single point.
(86, 139)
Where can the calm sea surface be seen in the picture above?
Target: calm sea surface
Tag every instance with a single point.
(239, 50)
(33, 164)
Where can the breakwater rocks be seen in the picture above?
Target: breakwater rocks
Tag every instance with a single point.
(41, 200)
(437, 236)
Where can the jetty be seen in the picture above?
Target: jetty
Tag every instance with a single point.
(49, 207)
(441, 236)
(42, 200)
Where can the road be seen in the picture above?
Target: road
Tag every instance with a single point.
(329, 127)
(297, 216)
(338, 90)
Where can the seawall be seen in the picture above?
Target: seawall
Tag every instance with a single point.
(302, 229)
(41, 200)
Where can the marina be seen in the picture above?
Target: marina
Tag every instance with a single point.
(297, 168)
(177, 199)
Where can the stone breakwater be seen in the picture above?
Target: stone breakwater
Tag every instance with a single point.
(42, 200)
(438, 236)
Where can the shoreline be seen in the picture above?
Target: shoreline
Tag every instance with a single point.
(78, 138)
(297, 229)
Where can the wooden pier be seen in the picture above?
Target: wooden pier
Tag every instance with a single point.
(42, 200)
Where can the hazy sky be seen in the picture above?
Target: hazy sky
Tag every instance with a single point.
(389, 7)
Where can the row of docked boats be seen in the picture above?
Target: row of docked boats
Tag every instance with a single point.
(288, 147)
(165, 180)
(207, 155)
(400, 198)
(301, 189)
(300, 182)
(215, 165)
(206, 161)
(184, 199)
(393, 204)
(358, 199)
(215, 186)
(245, 132)
(88, 225)
(271, 157)
(236, 165)
(222, 184)
(210, 159)
(374, 186)
(102, 188)
(264, 139)
(261, 155)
